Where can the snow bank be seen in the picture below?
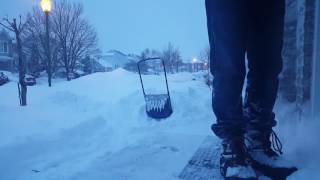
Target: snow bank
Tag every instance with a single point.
(76, 126)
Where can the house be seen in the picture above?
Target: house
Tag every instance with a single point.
(114, 59)
(300, 79)
(194, 66)
(104, 65)
(6, 51)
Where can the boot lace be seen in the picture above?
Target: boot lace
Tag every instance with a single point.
(276, 143)
(272, 143)
(239, 151)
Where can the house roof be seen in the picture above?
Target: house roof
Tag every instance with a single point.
(113, 52)
(4, 35)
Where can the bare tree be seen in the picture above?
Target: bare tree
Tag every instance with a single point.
(17, 29)
(145, 54)
(205, 57)
(205, 54)
(72, 38)
(177, 59)
(172, 58)
(76, 38)
(150, 53)
(150, 65)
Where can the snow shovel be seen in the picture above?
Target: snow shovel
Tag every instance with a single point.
(158, 106)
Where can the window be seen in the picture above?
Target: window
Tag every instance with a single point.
(5, 47)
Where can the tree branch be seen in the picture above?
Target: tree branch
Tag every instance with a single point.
(9, 27)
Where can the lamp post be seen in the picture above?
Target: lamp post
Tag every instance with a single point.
(46, 6)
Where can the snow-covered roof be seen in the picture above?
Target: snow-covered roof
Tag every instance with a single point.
(108, 54)
(4, 35)
(115, 58)
(113, 52)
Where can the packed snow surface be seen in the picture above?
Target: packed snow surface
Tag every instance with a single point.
(95, 127)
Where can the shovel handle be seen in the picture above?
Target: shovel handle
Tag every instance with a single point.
(164, 68)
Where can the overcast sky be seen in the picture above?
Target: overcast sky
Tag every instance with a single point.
(132, 25)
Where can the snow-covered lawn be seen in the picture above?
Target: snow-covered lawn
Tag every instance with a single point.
(95, 128)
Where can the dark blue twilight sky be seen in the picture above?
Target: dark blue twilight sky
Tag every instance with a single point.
(132, 25)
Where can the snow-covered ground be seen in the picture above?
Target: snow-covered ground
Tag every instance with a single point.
(95, 128)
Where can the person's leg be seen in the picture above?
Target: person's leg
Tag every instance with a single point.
(264, 49)
(227, 36)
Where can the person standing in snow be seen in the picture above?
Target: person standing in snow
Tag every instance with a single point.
(252, 29)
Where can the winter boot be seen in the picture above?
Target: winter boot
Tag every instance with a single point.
(234, 162)
(265, 149)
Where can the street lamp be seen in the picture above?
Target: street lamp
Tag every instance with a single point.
(46, 6)
(194, 61)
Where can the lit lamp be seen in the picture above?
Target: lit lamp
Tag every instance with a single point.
(194, 61)
(206, 64)
(46, 6)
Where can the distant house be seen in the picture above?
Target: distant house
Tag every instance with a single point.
(104, 66)
(194, 66)
(114, 59)
(6, 51)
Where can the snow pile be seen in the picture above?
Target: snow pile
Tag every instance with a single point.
(96, 127)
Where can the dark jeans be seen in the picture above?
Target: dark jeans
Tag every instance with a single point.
(240, 30)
